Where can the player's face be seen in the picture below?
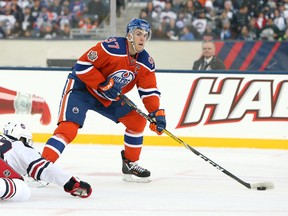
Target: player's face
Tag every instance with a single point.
(208, 50)
(140, 38)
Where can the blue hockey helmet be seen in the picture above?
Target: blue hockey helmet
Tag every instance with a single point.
(137, 23)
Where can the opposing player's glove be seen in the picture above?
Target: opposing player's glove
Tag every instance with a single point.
(159, 124)
(78, 188)
(110, 89)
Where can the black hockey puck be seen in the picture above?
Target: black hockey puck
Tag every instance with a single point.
(261, 188)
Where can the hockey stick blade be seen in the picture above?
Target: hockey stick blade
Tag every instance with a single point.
(257, 186)
(262, 186)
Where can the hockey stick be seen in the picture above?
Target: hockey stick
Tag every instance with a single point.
(258, 186)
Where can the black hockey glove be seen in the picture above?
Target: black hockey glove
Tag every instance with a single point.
(78, 188)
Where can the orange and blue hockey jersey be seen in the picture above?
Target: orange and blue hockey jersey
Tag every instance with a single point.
(111, 59)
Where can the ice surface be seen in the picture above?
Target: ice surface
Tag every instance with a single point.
(182, 184)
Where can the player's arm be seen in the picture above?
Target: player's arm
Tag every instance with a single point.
(86, 67)
(39, 168)
(150, 95)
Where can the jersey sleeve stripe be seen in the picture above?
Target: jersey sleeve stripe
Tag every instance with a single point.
(148, 92)
(82, 69)
(36, 167)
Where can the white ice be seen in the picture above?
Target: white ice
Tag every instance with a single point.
(182, 184)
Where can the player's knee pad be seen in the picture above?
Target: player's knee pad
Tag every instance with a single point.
(134, 122)
(67, 131)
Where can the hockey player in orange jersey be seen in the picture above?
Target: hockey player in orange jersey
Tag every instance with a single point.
(111, 67)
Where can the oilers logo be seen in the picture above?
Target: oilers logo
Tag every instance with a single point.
(123, 77)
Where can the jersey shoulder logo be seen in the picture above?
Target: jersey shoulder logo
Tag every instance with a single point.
(92, 55)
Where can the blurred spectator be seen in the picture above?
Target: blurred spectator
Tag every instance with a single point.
(218, 5)
(159, 5)
(186, 34)
(210, 34)
(46, 31)
(180, 23)
(225, 33)
(46, 22)
(55, 7)
(284, 37)
(177, 6)
(270, 31)
(223, 17)
(17, 12)
(252, 28)
(36, 9)
(189, 11)
(198, 7)
(245, 34)
(96, 9)
(228, 8)
(77, 7)
(86, 24)
(120, 5)
(168, 19)
(77, 11)
(210, 14)
(28, 23)
(283, 10)
(153, 17)
(200, 23)
(65, 32)
(279, 21)
(241, 19)
(7, 21)
(260, 21)
(24, 3)
(64, 18)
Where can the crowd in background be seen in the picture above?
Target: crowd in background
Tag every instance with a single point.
(218, 19)
(50, 19)
(170, 19)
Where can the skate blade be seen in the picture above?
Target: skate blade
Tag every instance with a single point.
(135, 179)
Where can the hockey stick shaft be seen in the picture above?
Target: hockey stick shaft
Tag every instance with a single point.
(217, 166)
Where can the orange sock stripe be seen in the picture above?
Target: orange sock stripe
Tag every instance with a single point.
(132, 154)
(49, 154)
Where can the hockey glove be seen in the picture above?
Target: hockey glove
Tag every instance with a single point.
(159, 124)
(110, 89)
(78, 188)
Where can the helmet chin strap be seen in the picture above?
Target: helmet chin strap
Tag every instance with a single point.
(132, 42)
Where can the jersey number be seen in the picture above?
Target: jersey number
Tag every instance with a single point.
(112, 43)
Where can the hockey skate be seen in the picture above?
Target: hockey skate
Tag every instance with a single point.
(133, 172)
